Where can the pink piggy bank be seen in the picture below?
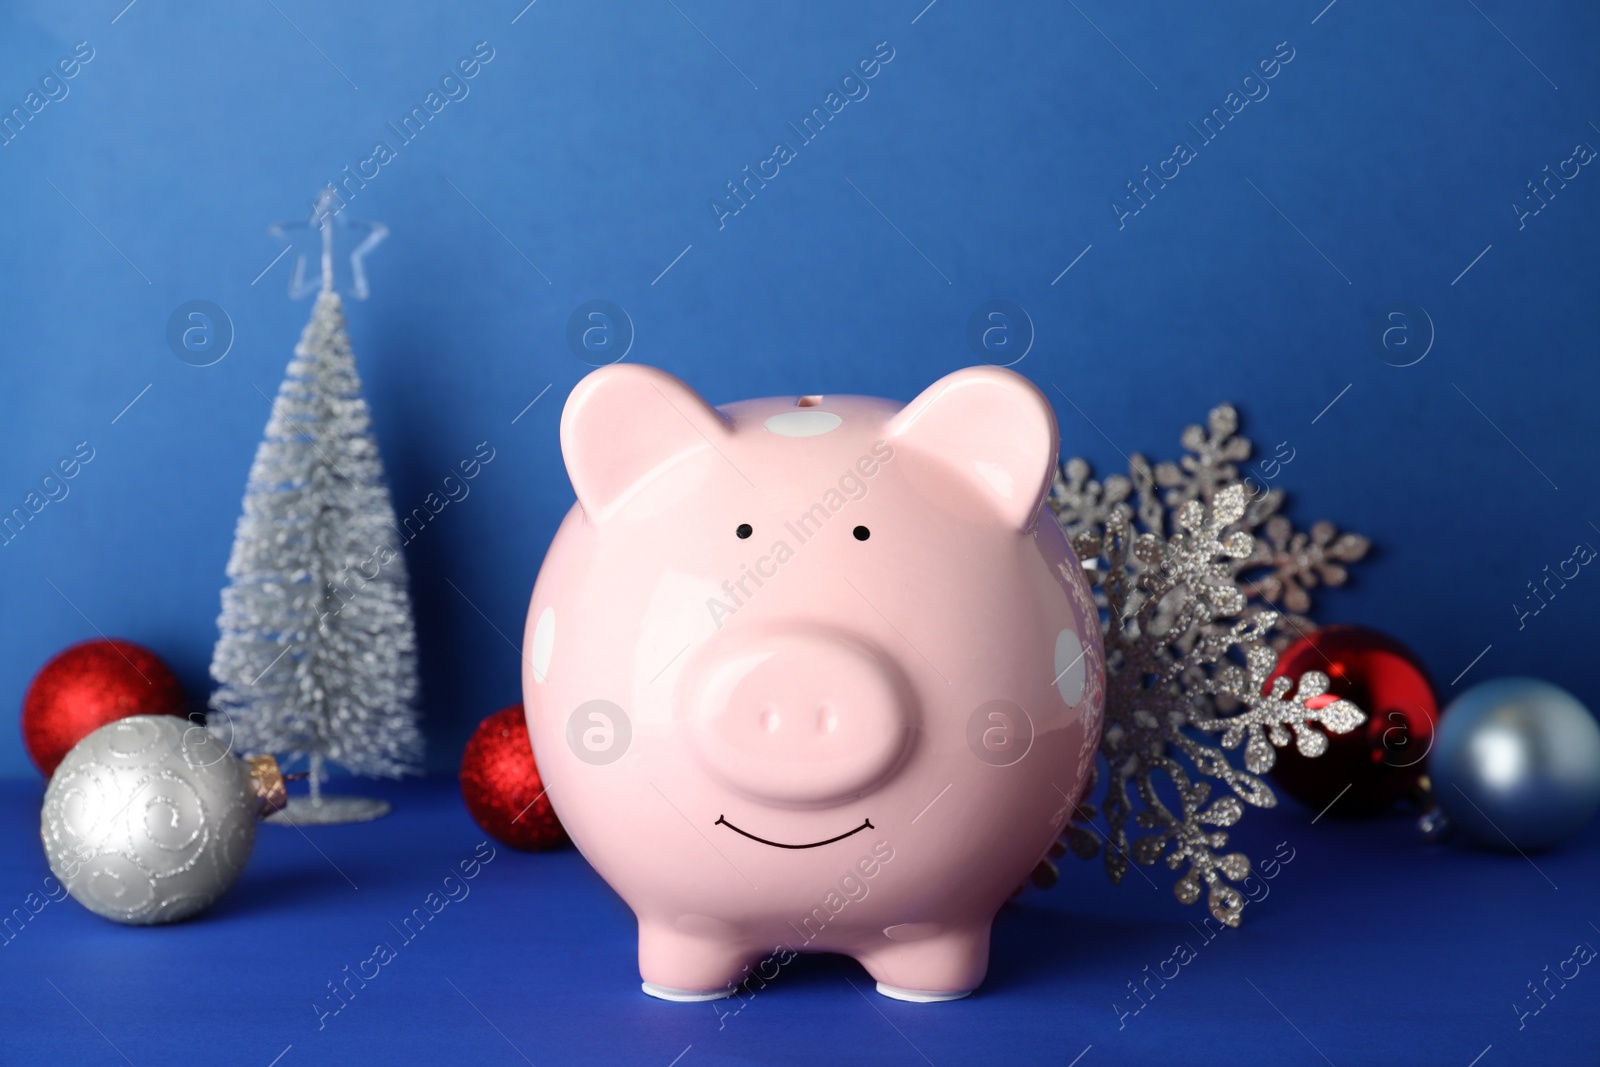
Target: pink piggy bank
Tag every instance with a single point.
(812, 673)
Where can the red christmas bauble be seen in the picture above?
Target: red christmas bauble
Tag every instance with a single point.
(502, 787)
(87, 686)
(1381, 760)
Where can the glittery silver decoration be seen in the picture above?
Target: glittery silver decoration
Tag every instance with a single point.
(148, 820)
(317, 654)
(1187, 589)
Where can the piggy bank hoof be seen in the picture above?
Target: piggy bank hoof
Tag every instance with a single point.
(685, 996)
(921, 996)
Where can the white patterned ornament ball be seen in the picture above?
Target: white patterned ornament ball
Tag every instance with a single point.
(148, 820)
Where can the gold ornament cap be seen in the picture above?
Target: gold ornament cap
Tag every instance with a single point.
(266, 780)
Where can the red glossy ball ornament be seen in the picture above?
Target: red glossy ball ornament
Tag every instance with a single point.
(501, 784)
(1381, 760)
(87, 686)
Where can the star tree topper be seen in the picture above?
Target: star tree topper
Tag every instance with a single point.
(315, 242)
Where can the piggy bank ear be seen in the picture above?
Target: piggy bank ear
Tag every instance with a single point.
(625, 425)
(995, 429)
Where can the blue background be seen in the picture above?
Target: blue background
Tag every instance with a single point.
(996, 141)
(1381, 167)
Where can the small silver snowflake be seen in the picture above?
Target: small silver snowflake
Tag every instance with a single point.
(1213, 463)
(1186, 588)
(1080, 502)
(1297, 562)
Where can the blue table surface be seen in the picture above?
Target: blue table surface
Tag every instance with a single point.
(1368, 946)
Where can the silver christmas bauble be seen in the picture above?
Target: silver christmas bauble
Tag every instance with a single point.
(1516, 764)
(148, 820)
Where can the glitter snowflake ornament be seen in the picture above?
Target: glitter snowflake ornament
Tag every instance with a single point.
(1188, 590)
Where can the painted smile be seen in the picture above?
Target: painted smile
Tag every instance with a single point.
(866, 824)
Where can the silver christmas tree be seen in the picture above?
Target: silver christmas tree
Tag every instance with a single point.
(317, 654)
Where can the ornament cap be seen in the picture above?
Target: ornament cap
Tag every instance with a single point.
(267, 782)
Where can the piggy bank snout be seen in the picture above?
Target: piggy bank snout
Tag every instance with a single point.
(799, 717)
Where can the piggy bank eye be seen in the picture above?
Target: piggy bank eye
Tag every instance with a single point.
(861, 533)
(744, 530)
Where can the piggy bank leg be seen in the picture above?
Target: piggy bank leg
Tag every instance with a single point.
(685, 967)
(923, 963)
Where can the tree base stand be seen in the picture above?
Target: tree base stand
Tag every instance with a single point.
(329, 811)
